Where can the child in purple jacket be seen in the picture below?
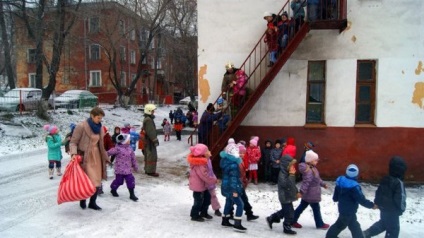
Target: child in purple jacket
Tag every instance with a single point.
(310, 190)
(212, 190)
(124, 161)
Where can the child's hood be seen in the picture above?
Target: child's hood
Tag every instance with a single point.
(193, 160)
(397, 167)
(345, 182)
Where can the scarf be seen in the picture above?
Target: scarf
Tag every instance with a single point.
(94, 127)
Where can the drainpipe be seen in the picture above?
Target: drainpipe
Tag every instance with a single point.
(85, 55)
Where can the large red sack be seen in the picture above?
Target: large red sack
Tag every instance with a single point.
(75, 184)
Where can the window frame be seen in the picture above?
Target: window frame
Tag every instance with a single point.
(122, 53)
(91, 28)
(308, 90)
(91, 52)
(133, 55)
(31, 55)
(32, 77)
(372, 83)
(91, 84)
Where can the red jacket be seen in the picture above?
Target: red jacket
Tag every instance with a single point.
(271, 40)
(253, 154)
(108, 143)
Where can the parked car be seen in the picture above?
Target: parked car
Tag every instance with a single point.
(186, 100)
(76, 99)
(24, 99)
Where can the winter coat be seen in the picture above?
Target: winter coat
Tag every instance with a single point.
(290, 150)
(211, 174)
(241, 80)
(115, 135)
(390, 195)
(253, 154)
(205, 125)
(349, 194)
(171, 115)
(54, 142)
(134, 137)
(83, 140)
(124, 160)
(167, 129)
(178, 126)
(275, 155)
(287, 189)
(108, 142)
(311, 183)
(284, 27)
(228, 79)
(266, 155)
(231, 182)
(125, 130)
(298, 8)
(199, 179)
(271, 40)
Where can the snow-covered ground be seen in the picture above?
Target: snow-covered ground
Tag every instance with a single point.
(28, 206)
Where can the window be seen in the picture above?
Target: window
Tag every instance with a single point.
(315, 100)
(133, 57)
(95, 52)
(31, 80)
(123, 78)
(144, 59)
(122, 53)
(95, 78)
(365, 91)
(132, 35)
(121, 27)
(159, 64)
(31, 56)
(133, 76)
(94, 25)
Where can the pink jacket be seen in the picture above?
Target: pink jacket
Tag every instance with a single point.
(199, 179)
(253, 154)
(239, 87)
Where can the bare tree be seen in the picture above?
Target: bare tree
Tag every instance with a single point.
(6, 35)
(47, 23)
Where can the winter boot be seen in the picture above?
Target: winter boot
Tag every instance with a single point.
(114, 193)
(251, 217)
(199, 219)
(83, 204)
(132, 196)
(288, 229)
(271, 219)
(237, 225)
(58, 171)
(51, 171)
(218, 213)
(226, 222)
(92, 204)
(206, 215)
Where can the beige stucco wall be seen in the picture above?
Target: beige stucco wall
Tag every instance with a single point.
(389, 31)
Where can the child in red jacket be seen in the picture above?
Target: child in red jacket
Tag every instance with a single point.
(253, 155)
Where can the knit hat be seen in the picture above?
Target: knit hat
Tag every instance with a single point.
(311, 156)
(309, 145)
(126, 124)
(267, 14)
(285, 14)
(231, 141)
(256, 138)
(253, 142)
(51, 129)
(352, 171)
(242, 148)
(233, 150)
(277, 141)
(199, 149)
(123, 139)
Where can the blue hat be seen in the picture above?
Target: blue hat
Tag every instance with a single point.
(352, 171)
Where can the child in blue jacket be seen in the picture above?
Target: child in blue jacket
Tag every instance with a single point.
(390, 198)
(54, 154)
(349, 195)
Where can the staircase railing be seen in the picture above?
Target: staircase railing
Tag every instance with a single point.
(259, 77)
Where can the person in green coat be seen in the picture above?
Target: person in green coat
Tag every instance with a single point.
(54, 154)
(150, 141)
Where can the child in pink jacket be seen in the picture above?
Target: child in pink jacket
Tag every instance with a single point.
(200, 181)
(253, 155)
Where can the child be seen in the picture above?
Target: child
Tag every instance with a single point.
(116, 132)
(171, 116)
(69, 136)
(283, 31)
(390, 198)
(125, 160)
(287, 194)
(231, 186)
(126, 129)
(178, 127)
(134, 137)
(266, 160)
(199, 181)
(54, 155)
(275, 161)
(212, 190)
(349, 194)
(108, 144)
(310, 190)
(307, 146)
(167, 131)
(253, 154)
(271, 41)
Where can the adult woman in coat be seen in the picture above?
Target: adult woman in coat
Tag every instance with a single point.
(87, 141)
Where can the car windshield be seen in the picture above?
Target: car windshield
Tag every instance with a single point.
(69, 95)
(13, 94)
